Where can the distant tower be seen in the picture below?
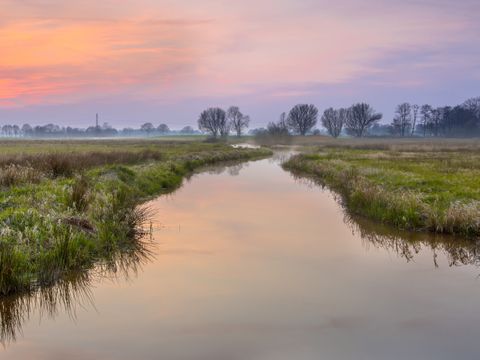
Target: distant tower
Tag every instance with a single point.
(96, 120)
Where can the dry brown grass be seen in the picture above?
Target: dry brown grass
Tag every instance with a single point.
(20, 168)
(17, 174)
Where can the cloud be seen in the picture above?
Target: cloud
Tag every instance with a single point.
(68, 59)
(176, 52)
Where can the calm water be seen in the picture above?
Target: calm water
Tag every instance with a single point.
(252, 264)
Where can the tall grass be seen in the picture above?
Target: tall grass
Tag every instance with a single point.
(14, 174)
(86, 211)
(16, 168)
(414, 192)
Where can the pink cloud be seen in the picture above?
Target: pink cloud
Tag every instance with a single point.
(58, 52)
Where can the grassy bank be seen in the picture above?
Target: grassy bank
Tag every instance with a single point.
(416, 186)
(68, 207)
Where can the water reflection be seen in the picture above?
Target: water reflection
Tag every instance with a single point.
(73, 292)
(257, 266)
(407, 245)
(232, 169)
(64, 297)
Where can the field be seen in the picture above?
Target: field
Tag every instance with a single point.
(67, 206)
(416, 185)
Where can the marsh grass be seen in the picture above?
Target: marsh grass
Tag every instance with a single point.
(55, 164)
(414, 190)
(14, 174)
(85, 211)
(79, 195)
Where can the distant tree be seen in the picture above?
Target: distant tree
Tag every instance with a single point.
(91, 130)
(163, 129)
(459, 121)
(15, 130)
(473, 105)
(426, 114)
(256, 131)
(6, 130)
(415, 110)
(277, 129)
(381, 130)
(302, 118)
(360, 117)
(187, 130)
(27, 130)
(213, 121)
(403, 119)
(147, 127)
(237, 120)
(333, 121)
(128, 131)
(283, 121)
(437, 115)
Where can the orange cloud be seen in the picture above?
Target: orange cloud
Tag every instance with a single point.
(73, 58)
(45, 43)
(62, 51)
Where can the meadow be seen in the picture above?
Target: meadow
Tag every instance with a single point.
(421, 185)
(67, 206)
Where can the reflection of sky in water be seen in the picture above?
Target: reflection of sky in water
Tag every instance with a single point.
(258, 266)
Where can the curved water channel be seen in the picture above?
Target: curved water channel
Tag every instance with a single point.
(250, 263)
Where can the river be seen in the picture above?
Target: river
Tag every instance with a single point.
(250, 263)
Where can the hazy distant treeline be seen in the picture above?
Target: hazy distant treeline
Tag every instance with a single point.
(357, 120)
(105, 130)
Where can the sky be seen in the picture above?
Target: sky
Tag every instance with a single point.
(164, 61)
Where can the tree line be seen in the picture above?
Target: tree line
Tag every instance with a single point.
(105, 130)
(358, 120)
(409, 120)
(361, 120)
(300, 120)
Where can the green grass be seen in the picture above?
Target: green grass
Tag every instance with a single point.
(413, 188)
(86, 213)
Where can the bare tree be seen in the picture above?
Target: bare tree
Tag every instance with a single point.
(283, 121)
(415, 110)
(187, 130)
(147, 127)
(238, 121)
(360, 117)
(214, 121)
(437, 115)
(302, 118)
(426, 112)
(403, 119)
(473, 105)
(7, 130)
(163, 129)
(15, 130)
(27, 129)
(333, 121)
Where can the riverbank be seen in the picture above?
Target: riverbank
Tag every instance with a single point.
(70, 207)
(410, 187)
